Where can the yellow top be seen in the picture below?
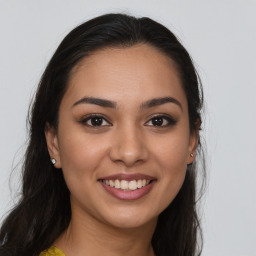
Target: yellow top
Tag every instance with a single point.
(52, 251)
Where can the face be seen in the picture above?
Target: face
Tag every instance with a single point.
(123, 140)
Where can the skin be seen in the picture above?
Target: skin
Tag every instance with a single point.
(128, 141)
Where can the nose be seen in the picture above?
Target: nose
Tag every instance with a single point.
(128, 147)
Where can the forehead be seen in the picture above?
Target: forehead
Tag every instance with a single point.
(139, 72)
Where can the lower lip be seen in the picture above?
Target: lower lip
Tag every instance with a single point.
(128, 195)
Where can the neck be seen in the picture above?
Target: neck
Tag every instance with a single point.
(88, 236)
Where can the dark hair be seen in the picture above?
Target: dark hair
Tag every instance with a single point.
(43, 211)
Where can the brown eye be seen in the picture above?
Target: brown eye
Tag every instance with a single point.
(157, 121)
(161, 121)
(95, 121)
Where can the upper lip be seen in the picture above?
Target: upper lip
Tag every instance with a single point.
(128, 177)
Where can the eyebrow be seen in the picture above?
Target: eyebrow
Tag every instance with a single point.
(96, 101)
(111, 104)
(160, 101)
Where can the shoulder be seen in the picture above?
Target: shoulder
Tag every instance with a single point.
(52, 251)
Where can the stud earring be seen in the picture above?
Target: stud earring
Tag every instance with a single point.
(191, 155)
(53, 161)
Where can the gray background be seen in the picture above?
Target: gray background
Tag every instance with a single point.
(220, 36)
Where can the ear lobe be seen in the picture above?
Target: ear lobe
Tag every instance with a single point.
(193, 143)
(52, 144)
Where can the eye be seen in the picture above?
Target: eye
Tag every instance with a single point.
(95, 120)
(161, 121)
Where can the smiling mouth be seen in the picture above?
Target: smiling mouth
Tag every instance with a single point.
(125, 185)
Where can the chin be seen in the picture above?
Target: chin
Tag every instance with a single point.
(130, 219)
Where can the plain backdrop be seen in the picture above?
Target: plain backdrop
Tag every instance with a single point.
(221, 38)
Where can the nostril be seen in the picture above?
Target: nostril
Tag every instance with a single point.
(128, 153)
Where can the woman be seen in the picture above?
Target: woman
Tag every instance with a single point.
(118, 113)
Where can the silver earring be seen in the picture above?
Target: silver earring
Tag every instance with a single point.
(191, 155)
(53, 161)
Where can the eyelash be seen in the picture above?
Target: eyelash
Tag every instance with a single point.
(163, 117)
(85, 121)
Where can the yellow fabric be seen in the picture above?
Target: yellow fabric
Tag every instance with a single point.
(52, 251)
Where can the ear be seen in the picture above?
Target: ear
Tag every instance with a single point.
(52, 144)
(193, 143)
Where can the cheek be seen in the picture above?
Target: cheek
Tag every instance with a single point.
(172, 152)
(173, 168)
(171, 156)
(80, 155)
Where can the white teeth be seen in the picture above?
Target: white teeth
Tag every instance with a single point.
(124, 184)
(111, 183)
(133, 185)
(127, 185)
(117, 184)
(139, 183)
